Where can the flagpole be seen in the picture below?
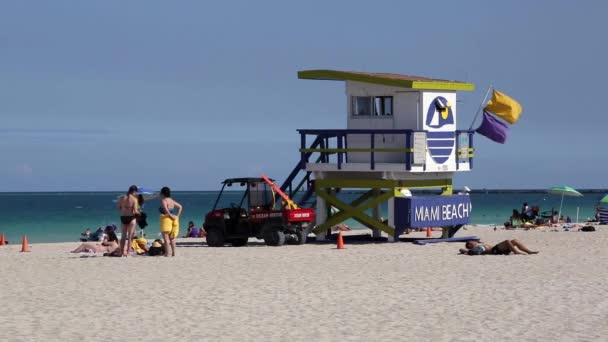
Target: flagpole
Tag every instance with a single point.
(481, 106)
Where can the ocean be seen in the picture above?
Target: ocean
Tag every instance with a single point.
(61, 217)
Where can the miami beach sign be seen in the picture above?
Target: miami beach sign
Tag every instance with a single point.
(432, 211)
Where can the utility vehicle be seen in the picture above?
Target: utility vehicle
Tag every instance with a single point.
(255, 215)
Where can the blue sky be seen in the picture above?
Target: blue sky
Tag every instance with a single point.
(99, 95)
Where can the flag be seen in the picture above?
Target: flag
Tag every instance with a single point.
(503, 106)
(493, 129)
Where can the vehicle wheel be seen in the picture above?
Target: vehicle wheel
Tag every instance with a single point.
(296, 237)
(274, 236)
(301, 235)
(239, 242)
(215, 237)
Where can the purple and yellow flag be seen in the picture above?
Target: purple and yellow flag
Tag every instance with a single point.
(493, 129)
(504, 107)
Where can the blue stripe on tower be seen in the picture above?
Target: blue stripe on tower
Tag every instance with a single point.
(437, 152)
(440, 135)
(440, 143)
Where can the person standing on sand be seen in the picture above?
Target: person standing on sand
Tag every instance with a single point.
(169, 219)
(127, 205)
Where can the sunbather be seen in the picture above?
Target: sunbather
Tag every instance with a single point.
(503, 248)
(192, 231)
(139, 246)
(92, 247)
(108, 245)
(515, 221)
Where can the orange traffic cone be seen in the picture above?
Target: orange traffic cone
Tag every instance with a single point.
(24, 246)
(340, 241)
(429, 232)
(2, 239)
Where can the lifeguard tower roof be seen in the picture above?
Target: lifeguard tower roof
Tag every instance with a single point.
(395, 80)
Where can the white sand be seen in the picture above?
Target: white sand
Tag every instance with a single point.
(367, 292)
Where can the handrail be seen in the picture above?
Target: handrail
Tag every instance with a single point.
(342, 150)
(321, 145)
(330, 132)
(301, 164)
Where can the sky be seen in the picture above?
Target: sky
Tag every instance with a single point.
(98, 95)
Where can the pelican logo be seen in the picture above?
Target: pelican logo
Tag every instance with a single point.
(439, 141)
(439, 113)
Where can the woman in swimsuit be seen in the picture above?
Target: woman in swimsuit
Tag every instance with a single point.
(504, 248)
(108, 245)
(127, 205)
(169, 219)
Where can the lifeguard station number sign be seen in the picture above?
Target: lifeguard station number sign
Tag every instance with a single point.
(432, 211)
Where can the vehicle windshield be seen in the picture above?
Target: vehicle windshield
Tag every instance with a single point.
(260, 196)
(232, 195)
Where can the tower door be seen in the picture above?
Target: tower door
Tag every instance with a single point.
(407, 113)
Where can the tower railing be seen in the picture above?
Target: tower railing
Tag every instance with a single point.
(331, 146)
(324, 138)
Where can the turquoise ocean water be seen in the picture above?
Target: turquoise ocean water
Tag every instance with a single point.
(61, 217)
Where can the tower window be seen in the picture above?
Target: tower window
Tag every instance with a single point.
(372, 106)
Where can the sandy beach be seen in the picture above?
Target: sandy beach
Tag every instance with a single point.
(369, 291)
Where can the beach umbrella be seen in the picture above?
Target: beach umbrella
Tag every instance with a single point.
(604, 200)
(563, 191)
(148, 194)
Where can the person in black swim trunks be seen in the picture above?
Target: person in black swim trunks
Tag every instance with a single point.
(127, 205)
(504, 248)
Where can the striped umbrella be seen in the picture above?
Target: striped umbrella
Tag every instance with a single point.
(563, 191)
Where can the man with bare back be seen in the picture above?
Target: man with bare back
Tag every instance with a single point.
(127, 205)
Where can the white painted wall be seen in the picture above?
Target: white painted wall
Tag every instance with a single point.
(405, 115)
(411, 108)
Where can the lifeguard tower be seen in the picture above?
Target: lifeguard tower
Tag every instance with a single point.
(400, 136)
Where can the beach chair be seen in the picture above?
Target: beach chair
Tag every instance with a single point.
(546, 216)
(603, 215)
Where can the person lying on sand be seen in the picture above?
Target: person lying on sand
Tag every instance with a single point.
(92, 247)
(340, 227)
(139, 246)
(503, 248)
(108, 245)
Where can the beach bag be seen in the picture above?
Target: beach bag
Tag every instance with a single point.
(588, 229)
(156, 249)
(142, 220)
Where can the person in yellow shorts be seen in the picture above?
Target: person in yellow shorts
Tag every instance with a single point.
(170, 210)
(169, 225)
